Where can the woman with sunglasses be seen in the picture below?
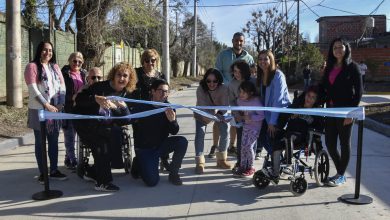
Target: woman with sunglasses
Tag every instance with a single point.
(74, 77)
(147, 73)
(211, 92)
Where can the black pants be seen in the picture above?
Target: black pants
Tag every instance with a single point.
(105, 143)
(146, 161)
(334, 130)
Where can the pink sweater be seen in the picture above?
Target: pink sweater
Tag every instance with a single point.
(36, 89)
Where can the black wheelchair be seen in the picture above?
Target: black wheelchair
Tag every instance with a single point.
(300, 164)
(84, 153)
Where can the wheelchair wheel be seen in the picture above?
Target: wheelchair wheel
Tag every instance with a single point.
(127, 151)
(321, 167)
(298, 186)
(127, 165)
(260, 180)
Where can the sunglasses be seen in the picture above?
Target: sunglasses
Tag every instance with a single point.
(150, 61)
(212, 81)
(77, 61)
(96, 77)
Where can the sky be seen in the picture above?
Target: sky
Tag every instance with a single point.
(228, 20)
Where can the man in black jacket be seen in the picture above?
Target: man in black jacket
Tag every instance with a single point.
(152, 140)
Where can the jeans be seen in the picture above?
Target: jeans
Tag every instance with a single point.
(147, 159)
(306, 83)
(334, 129)
(201, 132)
(69, 140)
(52, 140)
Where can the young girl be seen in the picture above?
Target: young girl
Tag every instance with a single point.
(252, 123)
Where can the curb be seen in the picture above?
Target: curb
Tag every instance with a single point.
(377, 126)
(15, 142)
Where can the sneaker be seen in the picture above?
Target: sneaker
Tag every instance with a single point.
(174, 178)
(88, 177)
(257, 156)
(212, 152)
(57, 175)
(288, 170)
(237, 171)
(248, 173)
(164, 164)
(232, 151)
(338, 181)
(41, 180)
(67, 162)
(274, 179)
(109, 187)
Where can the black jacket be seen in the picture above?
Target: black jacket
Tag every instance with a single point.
(70, 87)
(302, 123)
(151, 131)
(346, 90)
(143, 84)
(86, 104)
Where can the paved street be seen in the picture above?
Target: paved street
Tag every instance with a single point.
(214, 195)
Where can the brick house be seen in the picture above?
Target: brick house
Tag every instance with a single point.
(374, 43)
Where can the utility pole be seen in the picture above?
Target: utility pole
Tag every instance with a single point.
(298, 43)
(194, 63)
(13, 55)
(297, 23)
(165, 64)
(212, 30)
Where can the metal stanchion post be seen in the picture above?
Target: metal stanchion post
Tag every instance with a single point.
(356, 198)
(47, 193)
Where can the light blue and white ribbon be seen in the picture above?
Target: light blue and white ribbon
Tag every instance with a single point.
(351, 112)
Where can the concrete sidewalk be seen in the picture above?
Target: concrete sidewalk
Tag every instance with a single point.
(214, 195)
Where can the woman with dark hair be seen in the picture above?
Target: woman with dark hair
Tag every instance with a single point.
(273, 93)
(105, 136)
(342, 87)
(211, 92)
(46, 90)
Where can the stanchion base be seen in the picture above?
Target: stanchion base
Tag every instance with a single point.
(46, 195)
(350, 198)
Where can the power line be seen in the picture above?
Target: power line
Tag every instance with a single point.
(235, 5)
(377, 7)
(310, 8)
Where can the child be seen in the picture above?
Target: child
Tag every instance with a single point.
(252, 123)
(297, 125)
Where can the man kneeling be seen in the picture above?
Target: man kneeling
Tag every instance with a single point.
(152, 140)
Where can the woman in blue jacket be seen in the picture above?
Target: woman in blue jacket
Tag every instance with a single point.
(273, 93)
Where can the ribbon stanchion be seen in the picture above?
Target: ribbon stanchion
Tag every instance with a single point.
(47, 193)
(356, 198)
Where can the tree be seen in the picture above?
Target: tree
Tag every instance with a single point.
(267, 29)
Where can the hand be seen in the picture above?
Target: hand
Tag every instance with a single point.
(104, 102)
(50, 108)
(171, 115)
(271, 130)
(238, 118)
(347, 121)
(120, 104)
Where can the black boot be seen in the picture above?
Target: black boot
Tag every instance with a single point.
(212, 152)
(174, 178)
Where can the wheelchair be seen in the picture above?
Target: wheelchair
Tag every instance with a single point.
(84, 153)
(300, 165)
